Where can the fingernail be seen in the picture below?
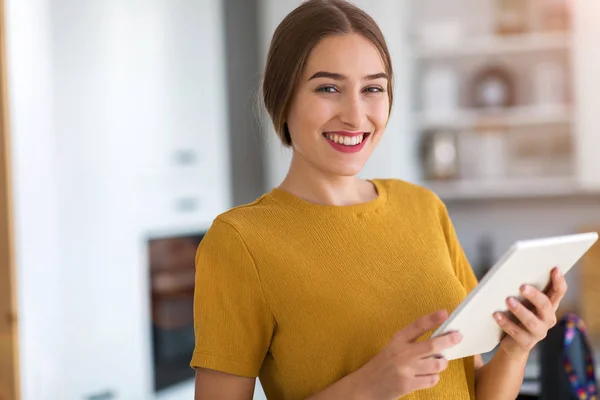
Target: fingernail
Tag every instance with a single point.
(498, 316)
(458, 336)
(512, 302)
(526, 289)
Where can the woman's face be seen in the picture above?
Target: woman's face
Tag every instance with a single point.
(341, 105)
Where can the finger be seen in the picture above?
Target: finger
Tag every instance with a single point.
(422, 325)
(520, 335)
(544, 308)
(424, 382)
(558, 288)
(531, 322)
(430, 366)
(435, 346)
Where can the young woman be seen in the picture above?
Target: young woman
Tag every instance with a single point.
(323, 286)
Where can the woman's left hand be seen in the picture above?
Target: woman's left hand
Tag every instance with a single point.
(534, 324)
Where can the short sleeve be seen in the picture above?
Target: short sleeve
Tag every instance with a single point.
(232, 321)
(461, 264)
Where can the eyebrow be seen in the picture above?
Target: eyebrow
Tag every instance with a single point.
(340, 77)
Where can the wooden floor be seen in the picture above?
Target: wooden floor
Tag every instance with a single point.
(8, 321)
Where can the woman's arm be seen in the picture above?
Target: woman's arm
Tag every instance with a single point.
(216, 385)
(347, 388)
(501, 378)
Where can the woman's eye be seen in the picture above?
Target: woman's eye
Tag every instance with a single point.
(374, 89)
(327, 89)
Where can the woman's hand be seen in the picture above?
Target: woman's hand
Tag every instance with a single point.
(534, 324)
(404, 365)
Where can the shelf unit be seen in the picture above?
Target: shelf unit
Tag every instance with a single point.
(513, 117)
(492, 45)
(465, 53)
(508, 189)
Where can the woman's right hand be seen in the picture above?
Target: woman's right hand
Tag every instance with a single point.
(404, 365)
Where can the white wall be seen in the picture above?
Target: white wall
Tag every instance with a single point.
(36, 198)
(102, 291)
(102, 96)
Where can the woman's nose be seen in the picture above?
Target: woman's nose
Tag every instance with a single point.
(351, 112)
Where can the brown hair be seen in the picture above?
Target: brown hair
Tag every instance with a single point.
(292, 42)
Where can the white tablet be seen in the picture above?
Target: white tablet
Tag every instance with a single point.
(526, 262)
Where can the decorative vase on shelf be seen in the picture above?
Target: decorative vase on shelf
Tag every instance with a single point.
(493, 87)
(439, 155)
(556, 15)
(512, 17)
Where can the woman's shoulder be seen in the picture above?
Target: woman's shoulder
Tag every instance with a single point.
(402, 191)
(250, 215)
(408, 198)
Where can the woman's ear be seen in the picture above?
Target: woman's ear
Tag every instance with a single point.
(286, 134)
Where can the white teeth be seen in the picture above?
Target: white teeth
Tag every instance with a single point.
(345, 140)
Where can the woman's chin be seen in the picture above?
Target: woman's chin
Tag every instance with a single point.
(344, 169)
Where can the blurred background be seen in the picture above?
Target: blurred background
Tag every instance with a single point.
(128, 125)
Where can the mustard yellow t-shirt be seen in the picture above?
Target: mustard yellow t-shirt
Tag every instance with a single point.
(303, 294)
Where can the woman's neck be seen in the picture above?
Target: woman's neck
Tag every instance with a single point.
(317, 186)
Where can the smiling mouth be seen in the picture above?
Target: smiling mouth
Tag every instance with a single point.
(346, 140)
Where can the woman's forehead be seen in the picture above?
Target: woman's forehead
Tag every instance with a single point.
(350, 55)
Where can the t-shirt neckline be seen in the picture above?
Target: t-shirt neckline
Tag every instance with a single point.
(285, 197)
